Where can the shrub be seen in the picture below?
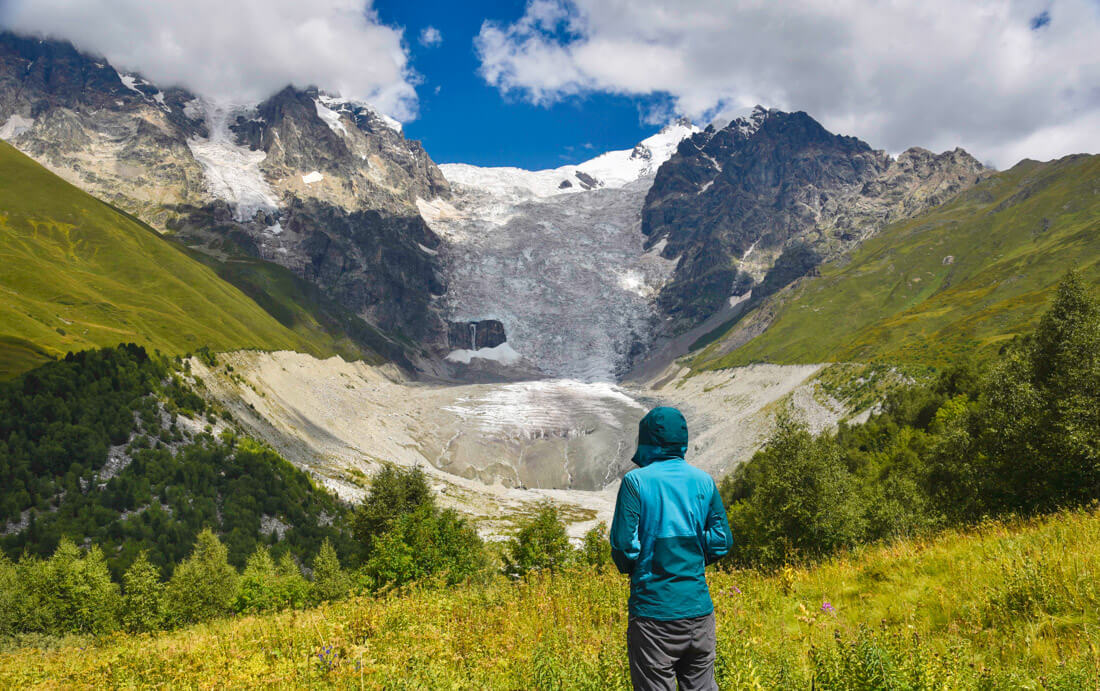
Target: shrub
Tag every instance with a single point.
(71, 592)
(256, 592)
(795, 499)
(11, 597)
(541, 544)
(428, 542)
(595, 548)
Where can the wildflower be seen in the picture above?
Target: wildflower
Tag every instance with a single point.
(828, 608)
(735, 589)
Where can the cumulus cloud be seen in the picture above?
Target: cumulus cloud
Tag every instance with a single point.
(236, 50)
(430, 37)
(1003, 78)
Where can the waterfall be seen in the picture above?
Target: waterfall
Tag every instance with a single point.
(473, 335)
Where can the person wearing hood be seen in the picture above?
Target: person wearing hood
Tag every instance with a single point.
(669, 524)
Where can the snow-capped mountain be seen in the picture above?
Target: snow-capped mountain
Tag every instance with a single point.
(323, 186)
(613, 169)
(556, 257)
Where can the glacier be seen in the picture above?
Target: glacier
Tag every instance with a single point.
(232, 171)
(562, 267)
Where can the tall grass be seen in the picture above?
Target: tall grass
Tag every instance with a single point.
(1009, 604)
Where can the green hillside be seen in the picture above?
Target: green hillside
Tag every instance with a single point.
(1004, 606)
(963, 277)
(76, 273)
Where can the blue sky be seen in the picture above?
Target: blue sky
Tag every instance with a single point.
(567, 79)
(469, 121)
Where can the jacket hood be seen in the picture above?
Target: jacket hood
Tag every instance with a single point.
(662, 435)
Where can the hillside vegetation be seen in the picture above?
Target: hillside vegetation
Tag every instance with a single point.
(1004, 605)
(960, 279)
(863, 558)
(76, 273)
(113, 447)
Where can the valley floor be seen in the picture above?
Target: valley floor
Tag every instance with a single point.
(494, 450)
(1005, 605)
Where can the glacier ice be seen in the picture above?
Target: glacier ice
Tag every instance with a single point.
(564, 269)
(232, 171)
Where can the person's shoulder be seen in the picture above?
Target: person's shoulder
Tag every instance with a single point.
(701, 476)
(634, 475)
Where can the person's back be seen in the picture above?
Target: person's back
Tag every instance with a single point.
(669, 524)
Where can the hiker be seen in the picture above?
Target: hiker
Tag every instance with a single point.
(669, 524)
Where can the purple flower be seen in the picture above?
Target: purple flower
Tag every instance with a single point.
(735, 589)
(828, 608)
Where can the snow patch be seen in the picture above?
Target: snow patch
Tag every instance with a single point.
(634, 281)
(310, 178)
(194, 110)
(338, 105)
(738, 299)
(130, 81)
(503, 353)
(15, 126)
(331, 118)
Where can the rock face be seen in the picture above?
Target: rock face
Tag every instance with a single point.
(760, 202)
(324, 186)
(487, 333)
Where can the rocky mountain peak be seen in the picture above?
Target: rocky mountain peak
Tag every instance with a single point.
(733, 201)
(324, 186)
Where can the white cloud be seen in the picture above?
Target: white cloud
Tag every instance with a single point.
(236, 50)
(430, 37)
(933, 73)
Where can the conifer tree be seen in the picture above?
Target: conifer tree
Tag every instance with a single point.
(143, 596)
(203, 586)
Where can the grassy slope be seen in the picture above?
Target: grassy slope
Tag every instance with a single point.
(76, 273)
(1005, 604)
(304, 308)
(1011, 237)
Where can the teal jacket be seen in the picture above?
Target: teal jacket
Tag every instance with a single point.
(669, 524)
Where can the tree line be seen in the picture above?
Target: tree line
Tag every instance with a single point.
(1017, 435)
(114, 446)
(401, 536)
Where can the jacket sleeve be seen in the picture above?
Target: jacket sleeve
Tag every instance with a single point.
(625, 545)
(719, 539)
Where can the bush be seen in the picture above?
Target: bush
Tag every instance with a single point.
(71, 592)
(426, 543)
(256, 592)
(795, 499)
(596, 549)
(11, 597)
(541, 544)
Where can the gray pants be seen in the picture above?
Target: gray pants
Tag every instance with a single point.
(665, 652)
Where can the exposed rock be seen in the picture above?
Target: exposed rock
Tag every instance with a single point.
(487, 333)
(324, 186)
(761, 201)
(587, 181)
